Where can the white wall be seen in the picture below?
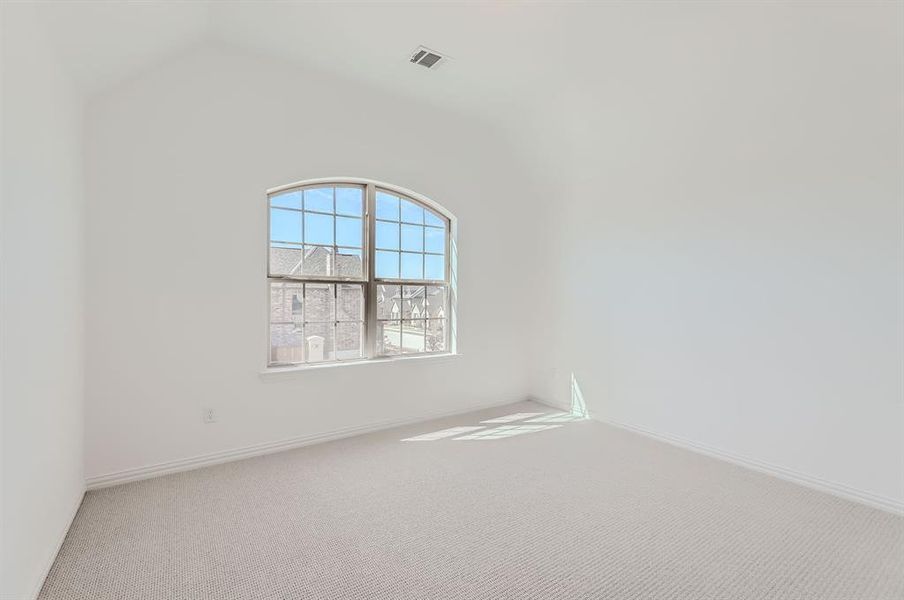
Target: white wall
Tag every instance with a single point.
(723, 258)
(41, 304)
(178, 163)
(731, 239)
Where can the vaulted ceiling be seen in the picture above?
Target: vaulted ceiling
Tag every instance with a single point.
(507, 58)
(554, 68)
(501, 52)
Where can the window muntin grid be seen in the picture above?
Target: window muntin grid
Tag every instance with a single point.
(327, 247)
(318, 232)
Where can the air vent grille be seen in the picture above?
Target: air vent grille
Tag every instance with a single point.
(427, 58)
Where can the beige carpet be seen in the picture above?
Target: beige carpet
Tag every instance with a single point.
(520, 509)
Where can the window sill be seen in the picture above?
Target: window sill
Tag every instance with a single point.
(280, 372)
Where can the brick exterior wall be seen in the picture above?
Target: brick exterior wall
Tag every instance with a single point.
(413, 317)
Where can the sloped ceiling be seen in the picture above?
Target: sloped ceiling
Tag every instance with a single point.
(543, 70)
(102, 43)
(498, 49)
(506, 57)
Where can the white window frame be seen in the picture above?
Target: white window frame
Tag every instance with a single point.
(370, 282)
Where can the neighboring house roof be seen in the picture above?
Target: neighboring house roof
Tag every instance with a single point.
(410, 300)
(313, 260)
(285, 261)
(316, 260)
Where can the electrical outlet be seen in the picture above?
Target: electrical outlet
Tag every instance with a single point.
(209, 415)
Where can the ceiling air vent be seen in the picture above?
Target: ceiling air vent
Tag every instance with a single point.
(427, 58)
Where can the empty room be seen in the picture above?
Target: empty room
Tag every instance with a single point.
(452, 300)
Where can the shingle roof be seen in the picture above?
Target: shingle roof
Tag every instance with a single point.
(411, 297)
(314, 260)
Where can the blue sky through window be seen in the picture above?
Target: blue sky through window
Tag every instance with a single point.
(434, 240)
(348, 232)
(349, 201)
(405, 230)
(285, 225)
(387, 235)
(413, 238)
(318, 229)
(412, 265)
(319, 199)
(387, 206)
(387, 264)
(434, 267)
(412, 213)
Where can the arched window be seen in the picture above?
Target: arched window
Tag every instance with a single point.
(357, 270)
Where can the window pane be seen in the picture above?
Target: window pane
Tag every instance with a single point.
(412, 337)
(413, 302)
(435, 240)
(387, 264)
(389, 302)
(285, 226)
(319, 199)
(318, 342)
(285, 260)
(286, 303)
(387, 206)
(411, 212)
(349, 263)
(318, 229)
(349, 340)
(318, 261)
(287, 200)
(350, 302)
(387, 235)
(412, 266)
(286, 344)
(436, 302)
(434, 267)
(349, 232)
(431, 218)
(319, 232)
(349, 201)
(436, 335)
(388, 337)
(319, 302)
(413, 238)
(286, 340)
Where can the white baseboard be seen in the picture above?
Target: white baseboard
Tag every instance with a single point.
(51, 556)
(215, 458)
(816, 483)
(550, 403)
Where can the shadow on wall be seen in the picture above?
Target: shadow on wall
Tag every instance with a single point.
(513, 424)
